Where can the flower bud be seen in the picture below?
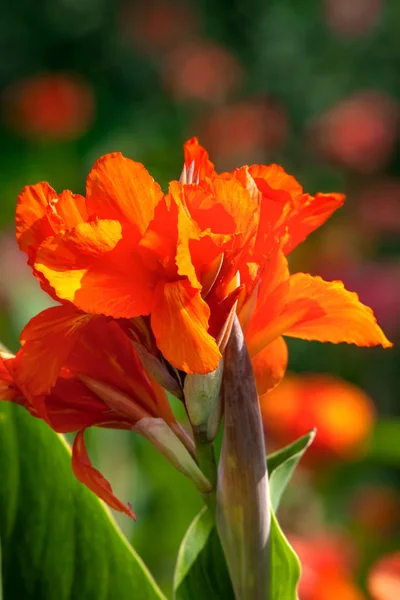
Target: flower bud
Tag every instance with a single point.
(167, 443)
(203, 402)
(243, 519)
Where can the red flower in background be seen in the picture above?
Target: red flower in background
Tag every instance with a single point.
(352, 19)
(247, 128)
(384, 578)
(327, 561)
(201, 70)
(342, 413)
(360, 131)
(50, 105)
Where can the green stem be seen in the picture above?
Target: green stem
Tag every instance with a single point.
(206, 460)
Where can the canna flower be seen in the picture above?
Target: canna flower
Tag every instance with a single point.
(85, 372)
(178, 265)
(342, 413)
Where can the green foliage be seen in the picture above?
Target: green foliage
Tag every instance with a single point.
(58, 541)
(281, 465)
(201, 570)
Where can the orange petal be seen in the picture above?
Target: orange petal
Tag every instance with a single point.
(270, 178)
(286, 209)
(330, 313)
(71, 208)
(92, 478)
(311, 212)
(180, 323)
(119, 188)
(98, 271)
(384, 578)
(31, 220)
(269, 365)
(47, 340)
(203, 167)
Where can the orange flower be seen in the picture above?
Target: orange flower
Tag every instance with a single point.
(178, 265)
(326, 568)
(342, 413)
(384, 578)
(94, 377)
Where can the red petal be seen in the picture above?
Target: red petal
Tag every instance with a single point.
(47, 341)
(92, 478)
(31, 220)
(180, 323)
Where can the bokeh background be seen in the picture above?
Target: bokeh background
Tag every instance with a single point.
(313, 85)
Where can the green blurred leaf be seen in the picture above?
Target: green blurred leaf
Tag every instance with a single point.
(201, 570)
(281, 465)
(285, 566)
(384, 444)
(58, 540)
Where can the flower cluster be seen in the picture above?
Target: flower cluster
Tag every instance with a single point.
(149, 284)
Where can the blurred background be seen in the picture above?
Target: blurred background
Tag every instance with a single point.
(311, 85)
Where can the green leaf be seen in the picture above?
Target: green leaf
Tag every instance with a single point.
(384, 442)
(281, 465)
(58, 540)
(285, 566)
(201, 570)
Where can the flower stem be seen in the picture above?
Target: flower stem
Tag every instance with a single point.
(206, 460)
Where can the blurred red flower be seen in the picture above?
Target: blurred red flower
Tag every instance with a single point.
(384, 578)
(376, 508)
(352, 19)
(327, 561)
(359, 132)
(201, 70)
(159, 25)
(378, 206)
(246, 130)
(342, 413)
(50, 105)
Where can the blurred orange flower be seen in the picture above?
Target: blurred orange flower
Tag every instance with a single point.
(178, 265)
(94, 377)
(326, 568)
(384, 578)
(342, 413)
(50, 105)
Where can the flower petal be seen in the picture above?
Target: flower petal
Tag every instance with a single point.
(331, 313)
(47, 340)
(285, 209)
(98, 271)
(92, 478)
(270, 365)
(180, 322)
(203, 167)
(31, 217)
(311, 212)
(119, 188)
